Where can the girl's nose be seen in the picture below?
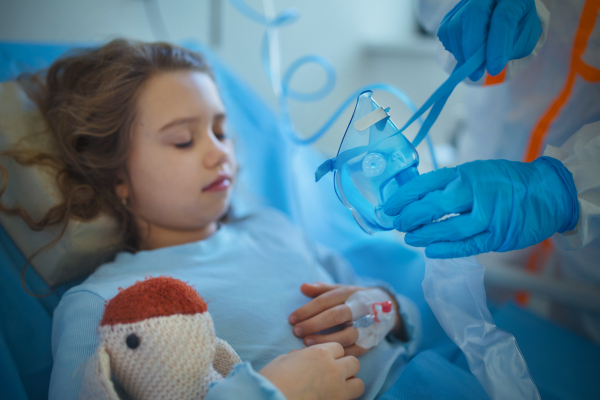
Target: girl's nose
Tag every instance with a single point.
(216, 153)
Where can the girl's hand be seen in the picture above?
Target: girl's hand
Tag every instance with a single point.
(326, 310)
(320, 372)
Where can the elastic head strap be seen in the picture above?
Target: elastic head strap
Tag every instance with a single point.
(436, 102)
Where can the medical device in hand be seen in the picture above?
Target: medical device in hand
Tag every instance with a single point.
(372, 315)
(375, 159)
(373, 162)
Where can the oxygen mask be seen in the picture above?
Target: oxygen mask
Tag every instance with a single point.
(373, 161)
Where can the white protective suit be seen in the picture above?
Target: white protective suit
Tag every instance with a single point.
(549, 100)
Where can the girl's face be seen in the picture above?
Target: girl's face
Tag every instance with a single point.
(182, 164)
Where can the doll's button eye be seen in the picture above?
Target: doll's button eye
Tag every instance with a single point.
(132, 341)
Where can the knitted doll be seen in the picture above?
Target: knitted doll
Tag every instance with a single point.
(157, 341)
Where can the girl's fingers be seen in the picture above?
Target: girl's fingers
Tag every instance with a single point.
(327, 319)
(334, 349)
(322, 303)
(346, 338)
(354, 388)
(349, 366)
(316, 289)
(355, 351)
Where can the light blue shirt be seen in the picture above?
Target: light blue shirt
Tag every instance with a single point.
(249, 272)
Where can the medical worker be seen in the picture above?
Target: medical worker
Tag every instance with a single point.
(533, 112)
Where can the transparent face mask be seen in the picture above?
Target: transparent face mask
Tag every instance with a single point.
(373, 161)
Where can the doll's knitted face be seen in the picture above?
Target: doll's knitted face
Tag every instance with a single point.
(162, 357)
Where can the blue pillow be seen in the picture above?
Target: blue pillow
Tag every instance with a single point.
(17, 58)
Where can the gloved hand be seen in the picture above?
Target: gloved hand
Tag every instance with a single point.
(510, 28)
(503, 205)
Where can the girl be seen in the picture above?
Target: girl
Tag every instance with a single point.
(141, 132)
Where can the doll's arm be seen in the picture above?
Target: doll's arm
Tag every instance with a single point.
(225, 357)
(96, 383)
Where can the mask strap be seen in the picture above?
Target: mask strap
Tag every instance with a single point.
(440, 96)
(436, 102)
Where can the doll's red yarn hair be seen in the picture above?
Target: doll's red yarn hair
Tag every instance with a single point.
(152, 297)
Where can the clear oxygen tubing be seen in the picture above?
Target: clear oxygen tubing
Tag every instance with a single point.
(280, 83)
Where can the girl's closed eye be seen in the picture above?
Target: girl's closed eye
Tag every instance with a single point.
(183, 145)
(181, 139)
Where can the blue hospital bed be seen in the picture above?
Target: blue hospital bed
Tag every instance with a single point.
(563, 365)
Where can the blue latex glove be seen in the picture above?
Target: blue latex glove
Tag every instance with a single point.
(503, 205)
(510, 28)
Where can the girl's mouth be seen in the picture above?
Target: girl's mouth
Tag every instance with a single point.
(223, 182)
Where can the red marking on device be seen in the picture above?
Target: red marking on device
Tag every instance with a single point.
(386, 307)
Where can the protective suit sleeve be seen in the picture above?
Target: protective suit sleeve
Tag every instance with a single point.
(343, 273)
(430, 14)
(74, 340)
(581, 156)
(243, 382)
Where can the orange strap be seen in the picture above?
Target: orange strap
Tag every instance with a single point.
(589, 15)
(542, 251)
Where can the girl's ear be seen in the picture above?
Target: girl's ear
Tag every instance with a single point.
(122, 187)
